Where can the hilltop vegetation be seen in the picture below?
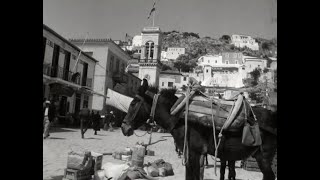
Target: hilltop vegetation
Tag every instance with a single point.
(197, 46)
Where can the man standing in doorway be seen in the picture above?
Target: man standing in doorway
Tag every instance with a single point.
(84, 120)
(49, 115)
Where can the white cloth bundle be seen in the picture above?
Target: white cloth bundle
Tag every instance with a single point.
(118, 100)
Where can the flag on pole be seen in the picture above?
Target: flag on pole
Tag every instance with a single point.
(153, 9)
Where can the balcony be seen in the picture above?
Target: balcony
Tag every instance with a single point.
(120, 77)
(87, 83)
(148, 61)
(59, 72)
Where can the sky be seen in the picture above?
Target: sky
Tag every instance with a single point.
(114, 18)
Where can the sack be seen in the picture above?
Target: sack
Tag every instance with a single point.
(251, 135)
(114, 171)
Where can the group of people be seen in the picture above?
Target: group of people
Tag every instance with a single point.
(87, 119)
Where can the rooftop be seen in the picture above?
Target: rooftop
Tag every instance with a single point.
(171, 72)
(99, 40)
(68, 42)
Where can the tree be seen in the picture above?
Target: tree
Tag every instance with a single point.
(265, 70)
(225, 38)
(165, 67)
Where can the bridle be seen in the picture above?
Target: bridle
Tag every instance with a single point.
(151, 121)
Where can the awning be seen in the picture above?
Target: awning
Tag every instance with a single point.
(61, 89)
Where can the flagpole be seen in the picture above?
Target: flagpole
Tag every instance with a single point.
(153, 18)
(80, 53)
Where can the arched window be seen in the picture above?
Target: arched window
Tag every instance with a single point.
(149, 50)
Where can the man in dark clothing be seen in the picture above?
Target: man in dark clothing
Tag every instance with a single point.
(96, 122)
(49, 113)
(108, 121)
(84, 120)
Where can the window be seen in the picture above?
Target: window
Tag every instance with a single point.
(208, 61)
(216, 61)
(236, 61)
(85, 101)
(55, 60)
(117, 65)
(111, 63)
(123, 68)
(149, 50)
(170, 84)
(184, 78)
(162, 83)
(227, 62)
(44, 48)
(207, 70)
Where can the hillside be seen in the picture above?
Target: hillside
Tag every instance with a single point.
(197, 46)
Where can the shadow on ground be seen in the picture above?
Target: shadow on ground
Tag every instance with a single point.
(56, 138)
(55, 178)
(60, 129)
(93, 138)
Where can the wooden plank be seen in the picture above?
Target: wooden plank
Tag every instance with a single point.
(204, 99)
(178, 108)
(235, 110)
(207, 121)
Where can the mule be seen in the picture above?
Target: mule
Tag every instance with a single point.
(199, 138)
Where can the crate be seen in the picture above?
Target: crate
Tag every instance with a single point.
(72, 174)
(97, 158)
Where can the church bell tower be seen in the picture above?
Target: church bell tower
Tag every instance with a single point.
(149, 67)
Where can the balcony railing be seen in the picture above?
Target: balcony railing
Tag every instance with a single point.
(148, 61)
(59, 72)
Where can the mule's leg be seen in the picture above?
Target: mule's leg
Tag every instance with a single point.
(232, 170)
(222, 168)
(202, 157)
(193, 166)
(265, 166)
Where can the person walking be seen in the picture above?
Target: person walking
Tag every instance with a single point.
(49, 113)
(84, 120)
(108, 120)
(96, 122)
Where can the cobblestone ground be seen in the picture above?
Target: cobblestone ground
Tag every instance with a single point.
(62, 140)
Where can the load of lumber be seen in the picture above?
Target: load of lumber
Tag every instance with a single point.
(201, 109)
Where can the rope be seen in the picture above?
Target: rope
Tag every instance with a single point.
(185, 155)
(220, 135)
(214, 127)
(141, 135)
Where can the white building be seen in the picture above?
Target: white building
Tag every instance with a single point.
(110, 71)
(211, 60)
(172, 79)
(137, 41)
(164, 56)
(251, 63)
(244, 41)
(67, 79)
(174, 52)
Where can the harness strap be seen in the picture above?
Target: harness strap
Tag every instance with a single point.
(153, 108)
(214, 132)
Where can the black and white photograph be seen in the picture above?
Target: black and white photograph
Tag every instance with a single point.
(159, 89)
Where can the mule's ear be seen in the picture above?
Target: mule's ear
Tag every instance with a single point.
(144, 83)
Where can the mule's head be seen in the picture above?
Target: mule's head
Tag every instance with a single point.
(139, 110)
